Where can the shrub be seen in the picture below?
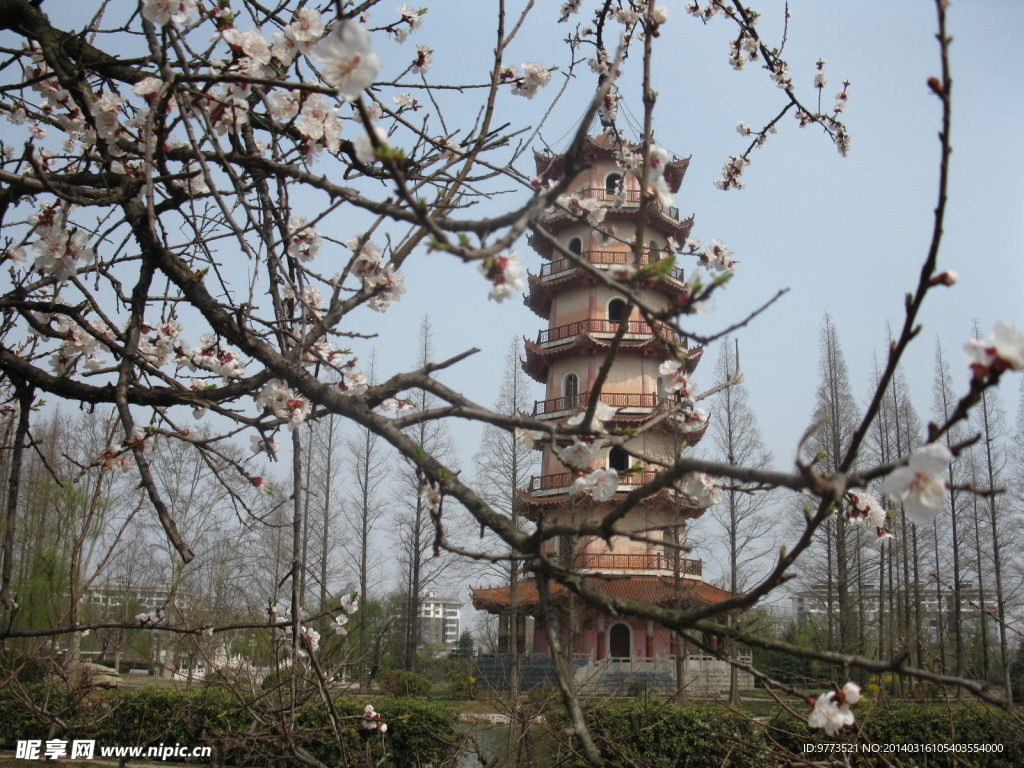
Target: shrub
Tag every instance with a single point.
(656, 735)
(17, 720)
(461, 685)
(420, 732)
(637, 689)
(405, 684)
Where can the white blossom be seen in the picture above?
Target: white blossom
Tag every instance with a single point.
(717, 257)
(535, 76)
(1004, 350)
(163, 12)
(251, 43)
(577, 455)
(349, 603)
(349, 63)
(363, 145)
(421, 64)
(832, 710)
(702, 489)
(679, 381)
(284, 105)
(505, 273)
(304, 241)
(920, 485)
(528, 438)
(866, 510)
(602, 484)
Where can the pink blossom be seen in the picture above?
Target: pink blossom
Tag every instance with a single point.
(306, 28)
(149, 88)
(61, 253)
(694, 420)
(310, 639)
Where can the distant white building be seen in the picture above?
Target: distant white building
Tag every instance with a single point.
(109, 600)
(440, 620)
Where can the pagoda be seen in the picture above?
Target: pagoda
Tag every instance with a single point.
(583, 316)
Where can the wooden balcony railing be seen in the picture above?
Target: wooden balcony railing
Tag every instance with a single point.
(653, 561)
(581, 401)
(611, 327)
(607, 258)
(565, 479)
(630, 197)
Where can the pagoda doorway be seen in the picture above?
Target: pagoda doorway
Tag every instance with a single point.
(620, 642)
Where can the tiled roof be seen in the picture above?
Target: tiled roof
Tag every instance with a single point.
(656, 590)
(550, 166)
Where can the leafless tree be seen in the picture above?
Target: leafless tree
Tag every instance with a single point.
(744, 516)
(370, 468)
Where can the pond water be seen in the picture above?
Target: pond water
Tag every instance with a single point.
(493, 741)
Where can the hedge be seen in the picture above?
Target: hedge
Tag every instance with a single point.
(419, 731)
(656, 735)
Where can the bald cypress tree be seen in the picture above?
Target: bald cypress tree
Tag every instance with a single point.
(834, 419)
(742, 519)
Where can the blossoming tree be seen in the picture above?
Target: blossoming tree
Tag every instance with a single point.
(197, 199)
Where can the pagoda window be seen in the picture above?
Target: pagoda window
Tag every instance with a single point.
(571, 390)
(612, 182)
(618, 459)
(616, 310)
(576, 246)
(654, 248)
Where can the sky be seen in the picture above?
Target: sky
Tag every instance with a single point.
(844, 236)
